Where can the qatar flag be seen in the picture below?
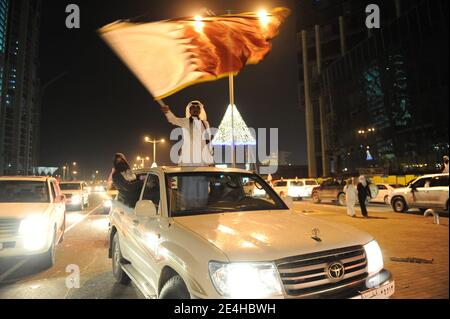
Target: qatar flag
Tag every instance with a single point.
(170, 55)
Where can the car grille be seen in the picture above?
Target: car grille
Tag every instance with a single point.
(9, 227)
(306, 276)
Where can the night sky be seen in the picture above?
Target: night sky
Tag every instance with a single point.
(96, 107)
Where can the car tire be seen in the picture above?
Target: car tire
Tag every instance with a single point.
(174, 288)
(399, 205)
(316, 198)
(48, 259)
(118, 273)
(341, 199)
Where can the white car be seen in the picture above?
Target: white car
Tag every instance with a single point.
(384, 191)
(77, 194)
(429, 191)
(295, 188)
(196, 233)
(32, 217)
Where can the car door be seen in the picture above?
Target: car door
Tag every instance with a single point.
(420, 193)
(148, 233)
(382, 192)
(438, 192)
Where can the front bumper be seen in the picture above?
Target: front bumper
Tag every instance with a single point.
(15, 247)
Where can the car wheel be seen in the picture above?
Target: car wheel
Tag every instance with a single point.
(174, 288)
(48, 259)
(118, 273)
(386, 200)
(399, 205)
(316, 198)
(341, 199)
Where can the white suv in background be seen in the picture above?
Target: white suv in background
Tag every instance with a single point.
(295, 188)
(429, 191)
(32, 217)
(77, 194)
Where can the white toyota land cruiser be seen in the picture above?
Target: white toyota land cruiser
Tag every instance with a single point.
(195, 233)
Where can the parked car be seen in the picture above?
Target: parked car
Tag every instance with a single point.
(295, 188)
(331, 190)
(32, 218)
(429, 191)
(196, 233)
(384, 190)
(77, 194)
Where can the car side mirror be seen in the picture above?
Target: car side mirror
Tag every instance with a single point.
(145, 208)
(289, 201)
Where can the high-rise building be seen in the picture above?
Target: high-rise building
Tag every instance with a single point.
(360, 87)
(19, 86)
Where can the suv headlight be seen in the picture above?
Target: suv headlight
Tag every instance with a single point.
(374, 257)
(245, 280)
(34, 231)
(76, 199)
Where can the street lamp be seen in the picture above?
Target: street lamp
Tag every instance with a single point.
(64, 173)
(154, 142)
(143, 159)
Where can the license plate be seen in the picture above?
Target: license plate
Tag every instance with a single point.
(380, 293)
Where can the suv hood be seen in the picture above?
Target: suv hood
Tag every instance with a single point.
(22, 210)
(270, 235)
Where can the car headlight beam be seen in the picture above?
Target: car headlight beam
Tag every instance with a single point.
(245, 280)
(34, 231)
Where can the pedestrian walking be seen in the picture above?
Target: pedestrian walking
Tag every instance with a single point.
(351, 194)
(363, 193)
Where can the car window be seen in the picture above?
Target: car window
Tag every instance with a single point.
(382, 187)
(439, 181)
(217, 193)
(423, 182)
(70, 186)
(310, 183)
(152, 190)
(280, 184)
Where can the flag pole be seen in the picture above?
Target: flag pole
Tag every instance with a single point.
(231, 86)
(161, 102)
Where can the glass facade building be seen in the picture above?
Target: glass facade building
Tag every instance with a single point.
(387, 98)
(379, 97)
(19, 92)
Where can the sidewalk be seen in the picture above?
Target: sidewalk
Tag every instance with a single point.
(401, 236)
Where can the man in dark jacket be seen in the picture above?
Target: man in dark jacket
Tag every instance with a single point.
(125, 181)
(363, 194)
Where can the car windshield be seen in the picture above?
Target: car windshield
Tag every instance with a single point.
(23, 192)
(70, 186)
(210, 193)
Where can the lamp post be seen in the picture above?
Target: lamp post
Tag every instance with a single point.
(142, 159)
(154, 142)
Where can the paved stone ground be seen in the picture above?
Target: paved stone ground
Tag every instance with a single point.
(407, 235)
